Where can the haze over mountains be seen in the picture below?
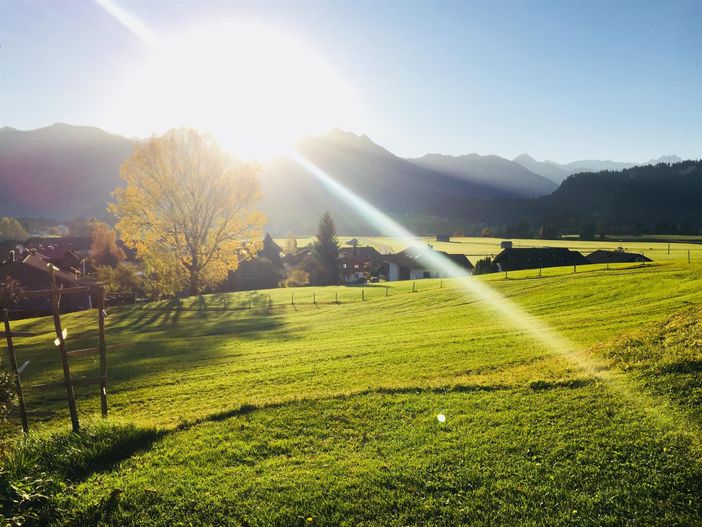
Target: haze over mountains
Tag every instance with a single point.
(558, 172)
(64, 171)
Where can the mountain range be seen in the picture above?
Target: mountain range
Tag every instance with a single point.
(64, 171)
(558, 172)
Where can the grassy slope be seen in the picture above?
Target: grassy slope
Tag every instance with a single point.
(475, 248)
(329, 412)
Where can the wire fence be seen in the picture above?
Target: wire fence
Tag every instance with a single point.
(290, 298)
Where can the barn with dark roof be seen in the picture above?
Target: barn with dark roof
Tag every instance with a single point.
(603, 256)
(537, 257)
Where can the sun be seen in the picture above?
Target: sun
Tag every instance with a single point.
(257, 89)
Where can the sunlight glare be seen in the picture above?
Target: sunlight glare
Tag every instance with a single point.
(255, 88)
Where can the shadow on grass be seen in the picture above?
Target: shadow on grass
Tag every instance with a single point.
(687, 366)
(74, 457)
(210, 317)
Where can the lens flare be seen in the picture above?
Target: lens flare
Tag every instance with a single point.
(522, 320)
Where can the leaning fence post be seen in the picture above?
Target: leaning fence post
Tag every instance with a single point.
(13, 364)
(386, 290)
(103, 353)
(70, 395)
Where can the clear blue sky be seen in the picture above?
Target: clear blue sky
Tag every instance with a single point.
(562, 80)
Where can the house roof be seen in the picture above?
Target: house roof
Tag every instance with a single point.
(40, 262)
(514, 259)
(420, 258)
(366, 253)
(76, 243)
(605, 256)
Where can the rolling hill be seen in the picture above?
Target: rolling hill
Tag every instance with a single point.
(326, 413)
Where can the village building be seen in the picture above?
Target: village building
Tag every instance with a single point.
(418, 263)
(603, 256)
(511, 259)
(358, 263)
(32, 270)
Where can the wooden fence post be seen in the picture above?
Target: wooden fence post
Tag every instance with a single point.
(688, 256)
(414, 287)
(292, 298)
(363, 294)
(270, 302)
(387, 289)
(336, 297)
(70, 395)
(249, 302)
(314, 298)
(103, 351)
(13, 364)
(441, 284)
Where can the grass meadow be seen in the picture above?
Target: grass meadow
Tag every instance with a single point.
(318, 406)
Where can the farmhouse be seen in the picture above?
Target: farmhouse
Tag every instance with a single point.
(416, 263)
(534, 258)
(602, 256)
(357, 262)
(31, 270)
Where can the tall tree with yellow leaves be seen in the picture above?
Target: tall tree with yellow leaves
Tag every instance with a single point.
(187, 209)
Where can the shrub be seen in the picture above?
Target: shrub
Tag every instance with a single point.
(297, 278)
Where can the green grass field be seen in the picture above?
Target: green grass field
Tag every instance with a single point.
(326, 413)
(476, 248)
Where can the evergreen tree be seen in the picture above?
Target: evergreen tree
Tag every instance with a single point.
(271, 251)
(325, 250)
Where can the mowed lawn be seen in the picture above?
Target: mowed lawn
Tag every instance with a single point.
(326, 413)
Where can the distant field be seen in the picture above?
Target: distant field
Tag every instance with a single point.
(326, 413)
(476, 248)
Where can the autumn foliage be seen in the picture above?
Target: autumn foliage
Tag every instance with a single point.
(187, 209)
